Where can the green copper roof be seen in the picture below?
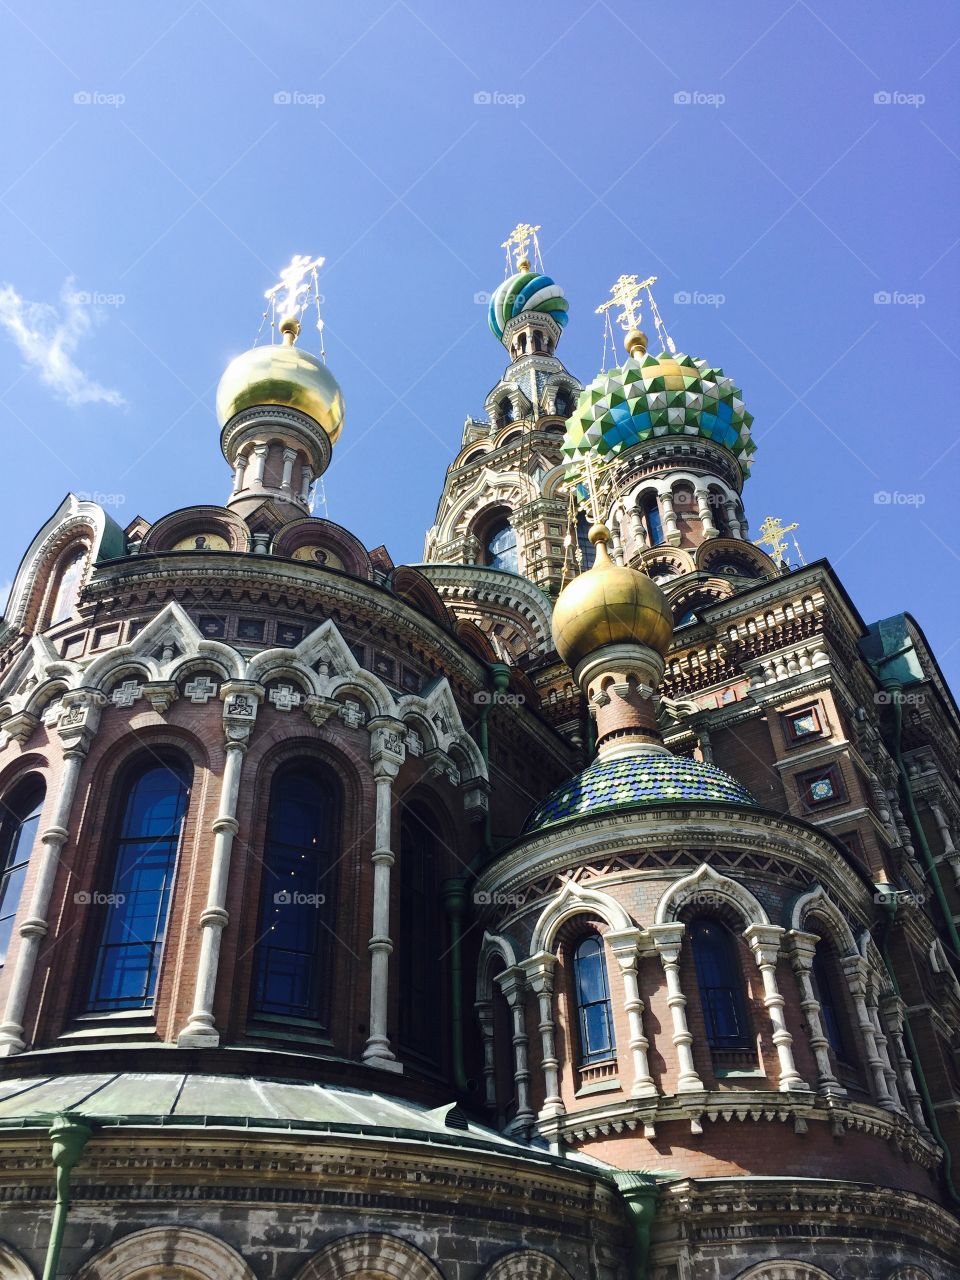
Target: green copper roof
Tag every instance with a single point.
(664, 395)
(627, 782)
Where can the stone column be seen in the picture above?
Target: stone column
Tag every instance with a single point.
(637, 532)
(733, 524)
(671, 531)
(668, 938)
(802, 949)
(305, 483)
(893, 1083)
(77, 726)
(764, 942)
(855, 971)
(539, 973)
(625, 945)
(386, 755)
(513, 986)
(289, 458)
(892, 1007)
(710, 530)
(260, 452)
(241, 699)
(238, 473)
(484, 1010)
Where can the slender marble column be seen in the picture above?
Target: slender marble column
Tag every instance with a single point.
(78, 724)
(671, 530)
(539, 973)
(625, 946)
(289, 458)
(513, 986)
(892, 1007)
(484, 1010)
(802, 949)
(855, 970)
(260, 452)
(893, 1082)
(710, 530)
(387, 755)
(733, 524)
(668, 938)
(239, 469)
(764, 942)
(241, 698)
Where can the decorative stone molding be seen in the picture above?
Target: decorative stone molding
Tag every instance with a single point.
(369, 1254)
(197, 1253)
(708, 883)
(526, 1264)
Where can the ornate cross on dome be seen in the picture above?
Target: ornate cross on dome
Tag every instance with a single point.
(625, 294)
(295, 280)
(774, 535)
(517, 241)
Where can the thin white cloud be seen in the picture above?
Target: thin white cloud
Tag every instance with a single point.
(47, 338)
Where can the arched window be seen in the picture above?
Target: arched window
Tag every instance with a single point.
(293, 961)
(18, 831)
(721, 985)
(502, 547)
(136, 909)
(505, 412)
(420, 932)
(592, 991)
(832, 1013)
(562, 405)
(68, 587)
(588, 551)
(652, 521)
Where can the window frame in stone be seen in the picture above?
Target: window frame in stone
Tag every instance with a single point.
(806, 782)
(795, 739)
(22, 804)
(734, 985)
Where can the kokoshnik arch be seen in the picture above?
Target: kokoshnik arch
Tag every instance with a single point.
(578, 904)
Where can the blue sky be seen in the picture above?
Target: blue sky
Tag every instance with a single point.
(794, 163)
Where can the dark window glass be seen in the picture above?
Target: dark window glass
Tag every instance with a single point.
(588, 551)
(830, 1004)
(419, 936)
(593, 1001)
(136, 909)
(18, 831)
(721, 985)
(502, 548)
(651, 515)
(293, 963)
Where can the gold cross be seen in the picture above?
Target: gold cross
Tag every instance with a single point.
(773, 535)
(517, 241)
(287, 293)
(625, 294)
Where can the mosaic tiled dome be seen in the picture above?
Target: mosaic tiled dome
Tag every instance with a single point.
(527, 291)
(658, 396)
(625, 782)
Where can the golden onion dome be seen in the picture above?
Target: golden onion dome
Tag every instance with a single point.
(609, 604)
(282, 374)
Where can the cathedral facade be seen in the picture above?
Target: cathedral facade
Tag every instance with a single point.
(578, 904)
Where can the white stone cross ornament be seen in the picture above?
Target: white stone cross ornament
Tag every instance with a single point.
(201, 689)
(127, 694)
(285, 697)
(352, 714)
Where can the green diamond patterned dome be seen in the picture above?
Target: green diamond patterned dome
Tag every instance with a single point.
(626, 782)
(659, 396)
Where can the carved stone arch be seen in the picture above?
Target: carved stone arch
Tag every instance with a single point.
(219, 521)
(784, 1269)
(491, 489)
(910, 1273)
(278, 664)
(316, 531)
(439, 708)
(325, 646)
(12, 1266)
(199, 1255)
(816, 903)
(369, 1256)
(171, 626)
(472, 638)
(756, 563)
(414, 589)
(554, 481)
(707, 881)
(494, 947)
(526, 1264)
(574, 900)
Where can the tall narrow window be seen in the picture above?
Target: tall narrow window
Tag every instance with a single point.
(652, 521)
(721, 985)
(68, 588)
(831, 1006)
(18, 831)
(294, 958)
(502, 548)
(136, 909)
(593, 1001)
(419, 936)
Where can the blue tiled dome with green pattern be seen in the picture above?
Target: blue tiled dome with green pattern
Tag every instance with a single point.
(626, 782)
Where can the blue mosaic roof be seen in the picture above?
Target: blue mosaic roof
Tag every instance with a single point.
(628, 781)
